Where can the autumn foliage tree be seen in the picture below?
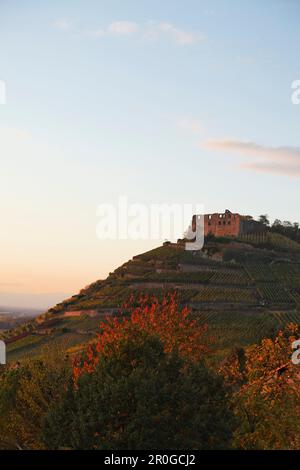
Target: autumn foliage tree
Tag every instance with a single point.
(266, 387)
(144, 386)
(141, 397)
(171, 324)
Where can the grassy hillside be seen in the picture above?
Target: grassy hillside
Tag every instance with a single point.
(241, 289)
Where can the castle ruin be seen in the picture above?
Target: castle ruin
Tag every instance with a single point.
(229, 224)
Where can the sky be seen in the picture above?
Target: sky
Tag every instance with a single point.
(159, 102)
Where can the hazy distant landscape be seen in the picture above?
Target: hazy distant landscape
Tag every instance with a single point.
(12, 316)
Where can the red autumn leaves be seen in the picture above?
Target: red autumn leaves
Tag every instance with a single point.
(166, 319)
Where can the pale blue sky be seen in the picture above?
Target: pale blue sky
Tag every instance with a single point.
(161, 101)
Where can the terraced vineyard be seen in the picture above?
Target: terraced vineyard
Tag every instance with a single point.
(259, 271)
(194, 277)
(281, 242)
(273, 240)
(285, 317)
(184, 295)
(212, 276)
(68, 333)
(295, 293)
(274, 293)
(232, 277)
(225, 294)
(168, 268)
(287, 273)
(239, 328)
(250, 295)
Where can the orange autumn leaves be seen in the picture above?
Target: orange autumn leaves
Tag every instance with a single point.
(266, 392)
(259, 364)
(166, 319)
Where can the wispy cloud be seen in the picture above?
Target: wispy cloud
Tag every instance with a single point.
(122, 27)
(279, 160)
(280, 169)
(178, 35)
(117, 28)
(154, 30)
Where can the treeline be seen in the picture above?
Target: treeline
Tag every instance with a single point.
(286, 228)
(290, 230)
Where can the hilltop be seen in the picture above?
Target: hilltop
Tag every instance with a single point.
(245, 288)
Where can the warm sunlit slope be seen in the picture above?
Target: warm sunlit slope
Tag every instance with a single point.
(243, 289)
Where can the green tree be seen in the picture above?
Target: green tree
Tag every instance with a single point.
(26, 395)
(142, 397)
(9, 380)
(264, 219)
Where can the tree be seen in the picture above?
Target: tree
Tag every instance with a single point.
(172, 324)
(139, 396)
(266, 393)
(9, 380)
(287, 228)
(287, 224)
(264, 219)
(26, 394)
